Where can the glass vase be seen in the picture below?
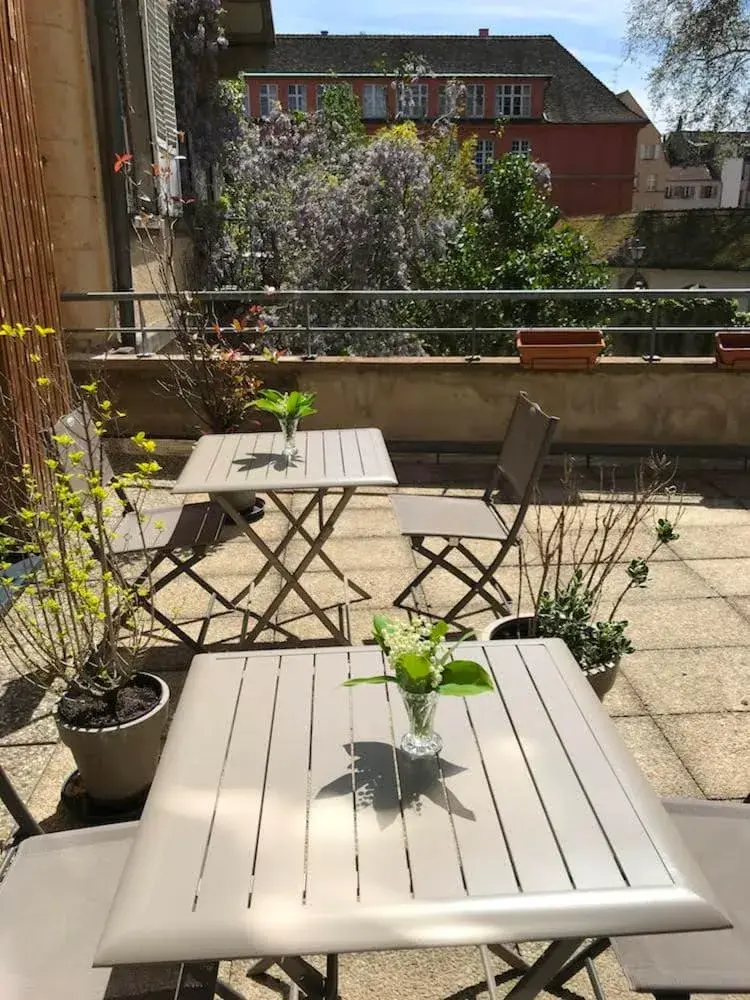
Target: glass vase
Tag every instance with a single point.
(421, 740)
(289, 430)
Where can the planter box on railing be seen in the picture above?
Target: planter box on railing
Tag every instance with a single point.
(559, 349)
(732, 348)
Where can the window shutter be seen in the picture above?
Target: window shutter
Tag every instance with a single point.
(157, 52)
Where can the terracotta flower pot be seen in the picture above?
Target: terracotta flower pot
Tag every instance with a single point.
(732, 348)
(559, 349)
(118, 763)
(520, 627)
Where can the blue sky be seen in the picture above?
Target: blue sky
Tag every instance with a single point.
(592, 29)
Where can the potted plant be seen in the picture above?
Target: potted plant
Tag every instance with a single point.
(423, 669)
(559, 348)
(72, 623)
(584, 546)
(288, 408)
(732, 348)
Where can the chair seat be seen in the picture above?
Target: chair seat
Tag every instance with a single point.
(718, 836)
(447, 517)
(179, 527)
(53, 904)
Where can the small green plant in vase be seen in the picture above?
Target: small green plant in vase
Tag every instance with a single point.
(288, 408)
(423, 669)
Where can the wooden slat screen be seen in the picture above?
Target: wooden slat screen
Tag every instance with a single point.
(28, 289)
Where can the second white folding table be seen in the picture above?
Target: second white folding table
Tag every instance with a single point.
(228, 465)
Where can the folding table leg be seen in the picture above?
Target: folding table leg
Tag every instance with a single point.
(298, 528)
(543, 971)
(290, 576)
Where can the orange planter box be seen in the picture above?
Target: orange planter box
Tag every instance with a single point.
(559, 349)
(732, 348)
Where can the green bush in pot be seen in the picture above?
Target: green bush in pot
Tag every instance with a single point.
(573, 555)
(71, 621)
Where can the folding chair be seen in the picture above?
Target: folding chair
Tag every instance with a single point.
(456, 519)
(162, 532)
(673, 966)
(55, 892)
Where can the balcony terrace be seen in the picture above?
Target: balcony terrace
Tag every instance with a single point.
(681, 702)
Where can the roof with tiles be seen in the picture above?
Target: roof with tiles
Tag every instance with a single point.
(573, 95)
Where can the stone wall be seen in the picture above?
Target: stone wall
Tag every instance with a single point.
(689, 405)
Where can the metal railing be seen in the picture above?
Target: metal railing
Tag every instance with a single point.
(137, 337)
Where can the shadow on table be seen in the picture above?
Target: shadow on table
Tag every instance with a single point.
(374, 771)
(260, 459)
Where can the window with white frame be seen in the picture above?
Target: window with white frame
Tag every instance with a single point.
(708, 191)
(412, 100)
(651, 182)
(374, 103)
(484, 155)
(474, 100)
(320, 89)
(520, 146)
(297, 97)
(269, 98)
(683, 192)
(649, 151)
(513, 100)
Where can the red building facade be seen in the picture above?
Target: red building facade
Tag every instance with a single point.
(523, 94)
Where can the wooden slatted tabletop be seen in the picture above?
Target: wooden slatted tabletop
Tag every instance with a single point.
(283, 822)
(225, 463)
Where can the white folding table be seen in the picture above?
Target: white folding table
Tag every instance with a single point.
(283, 822)
(228, 465)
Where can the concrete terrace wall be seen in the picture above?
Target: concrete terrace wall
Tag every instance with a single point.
(689, 405)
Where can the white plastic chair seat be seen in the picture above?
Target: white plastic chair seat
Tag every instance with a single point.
(447, 517)
(54, 899)
(178, 527)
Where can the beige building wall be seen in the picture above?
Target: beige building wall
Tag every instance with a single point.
(653, 174)
(63, 94)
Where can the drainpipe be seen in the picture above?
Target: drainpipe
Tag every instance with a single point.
(104, 44)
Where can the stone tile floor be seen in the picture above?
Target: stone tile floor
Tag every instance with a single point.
(681, 702)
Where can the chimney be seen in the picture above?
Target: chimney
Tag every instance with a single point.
(484, 32)
(324, 34)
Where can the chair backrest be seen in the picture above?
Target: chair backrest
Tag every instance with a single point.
(27, 825)
(79, 425)
(524, 451)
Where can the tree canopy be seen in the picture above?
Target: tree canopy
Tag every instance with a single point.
(701, 50)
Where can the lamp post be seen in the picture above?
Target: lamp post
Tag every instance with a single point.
(636, 250)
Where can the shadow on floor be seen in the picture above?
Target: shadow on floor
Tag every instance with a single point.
(18, 702)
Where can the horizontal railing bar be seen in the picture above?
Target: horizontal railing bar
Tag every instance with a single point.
(415, 295)
(479, 330)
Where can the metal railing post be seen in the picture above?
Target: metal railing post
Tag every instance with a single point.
(652, 356)
(473, 356)
(309, 356)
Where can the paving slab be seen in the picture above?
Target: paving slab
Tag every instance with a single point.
(659, 762)
(693, 622)
(24, 766)
(713, 542)
(728, 577)
(680, 681)
(715, 747)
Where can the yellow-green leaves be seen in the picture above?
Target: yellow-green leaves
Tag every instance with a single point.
(141, 441)
(90, 387)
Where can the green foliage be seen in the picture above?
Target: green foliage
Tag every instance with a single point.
(423, 661)
(341, 112)
(679, 313)
(567, 615)
(584, 546)
(513, 241)
(700, 52)
(71, 620)
(285, 405)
